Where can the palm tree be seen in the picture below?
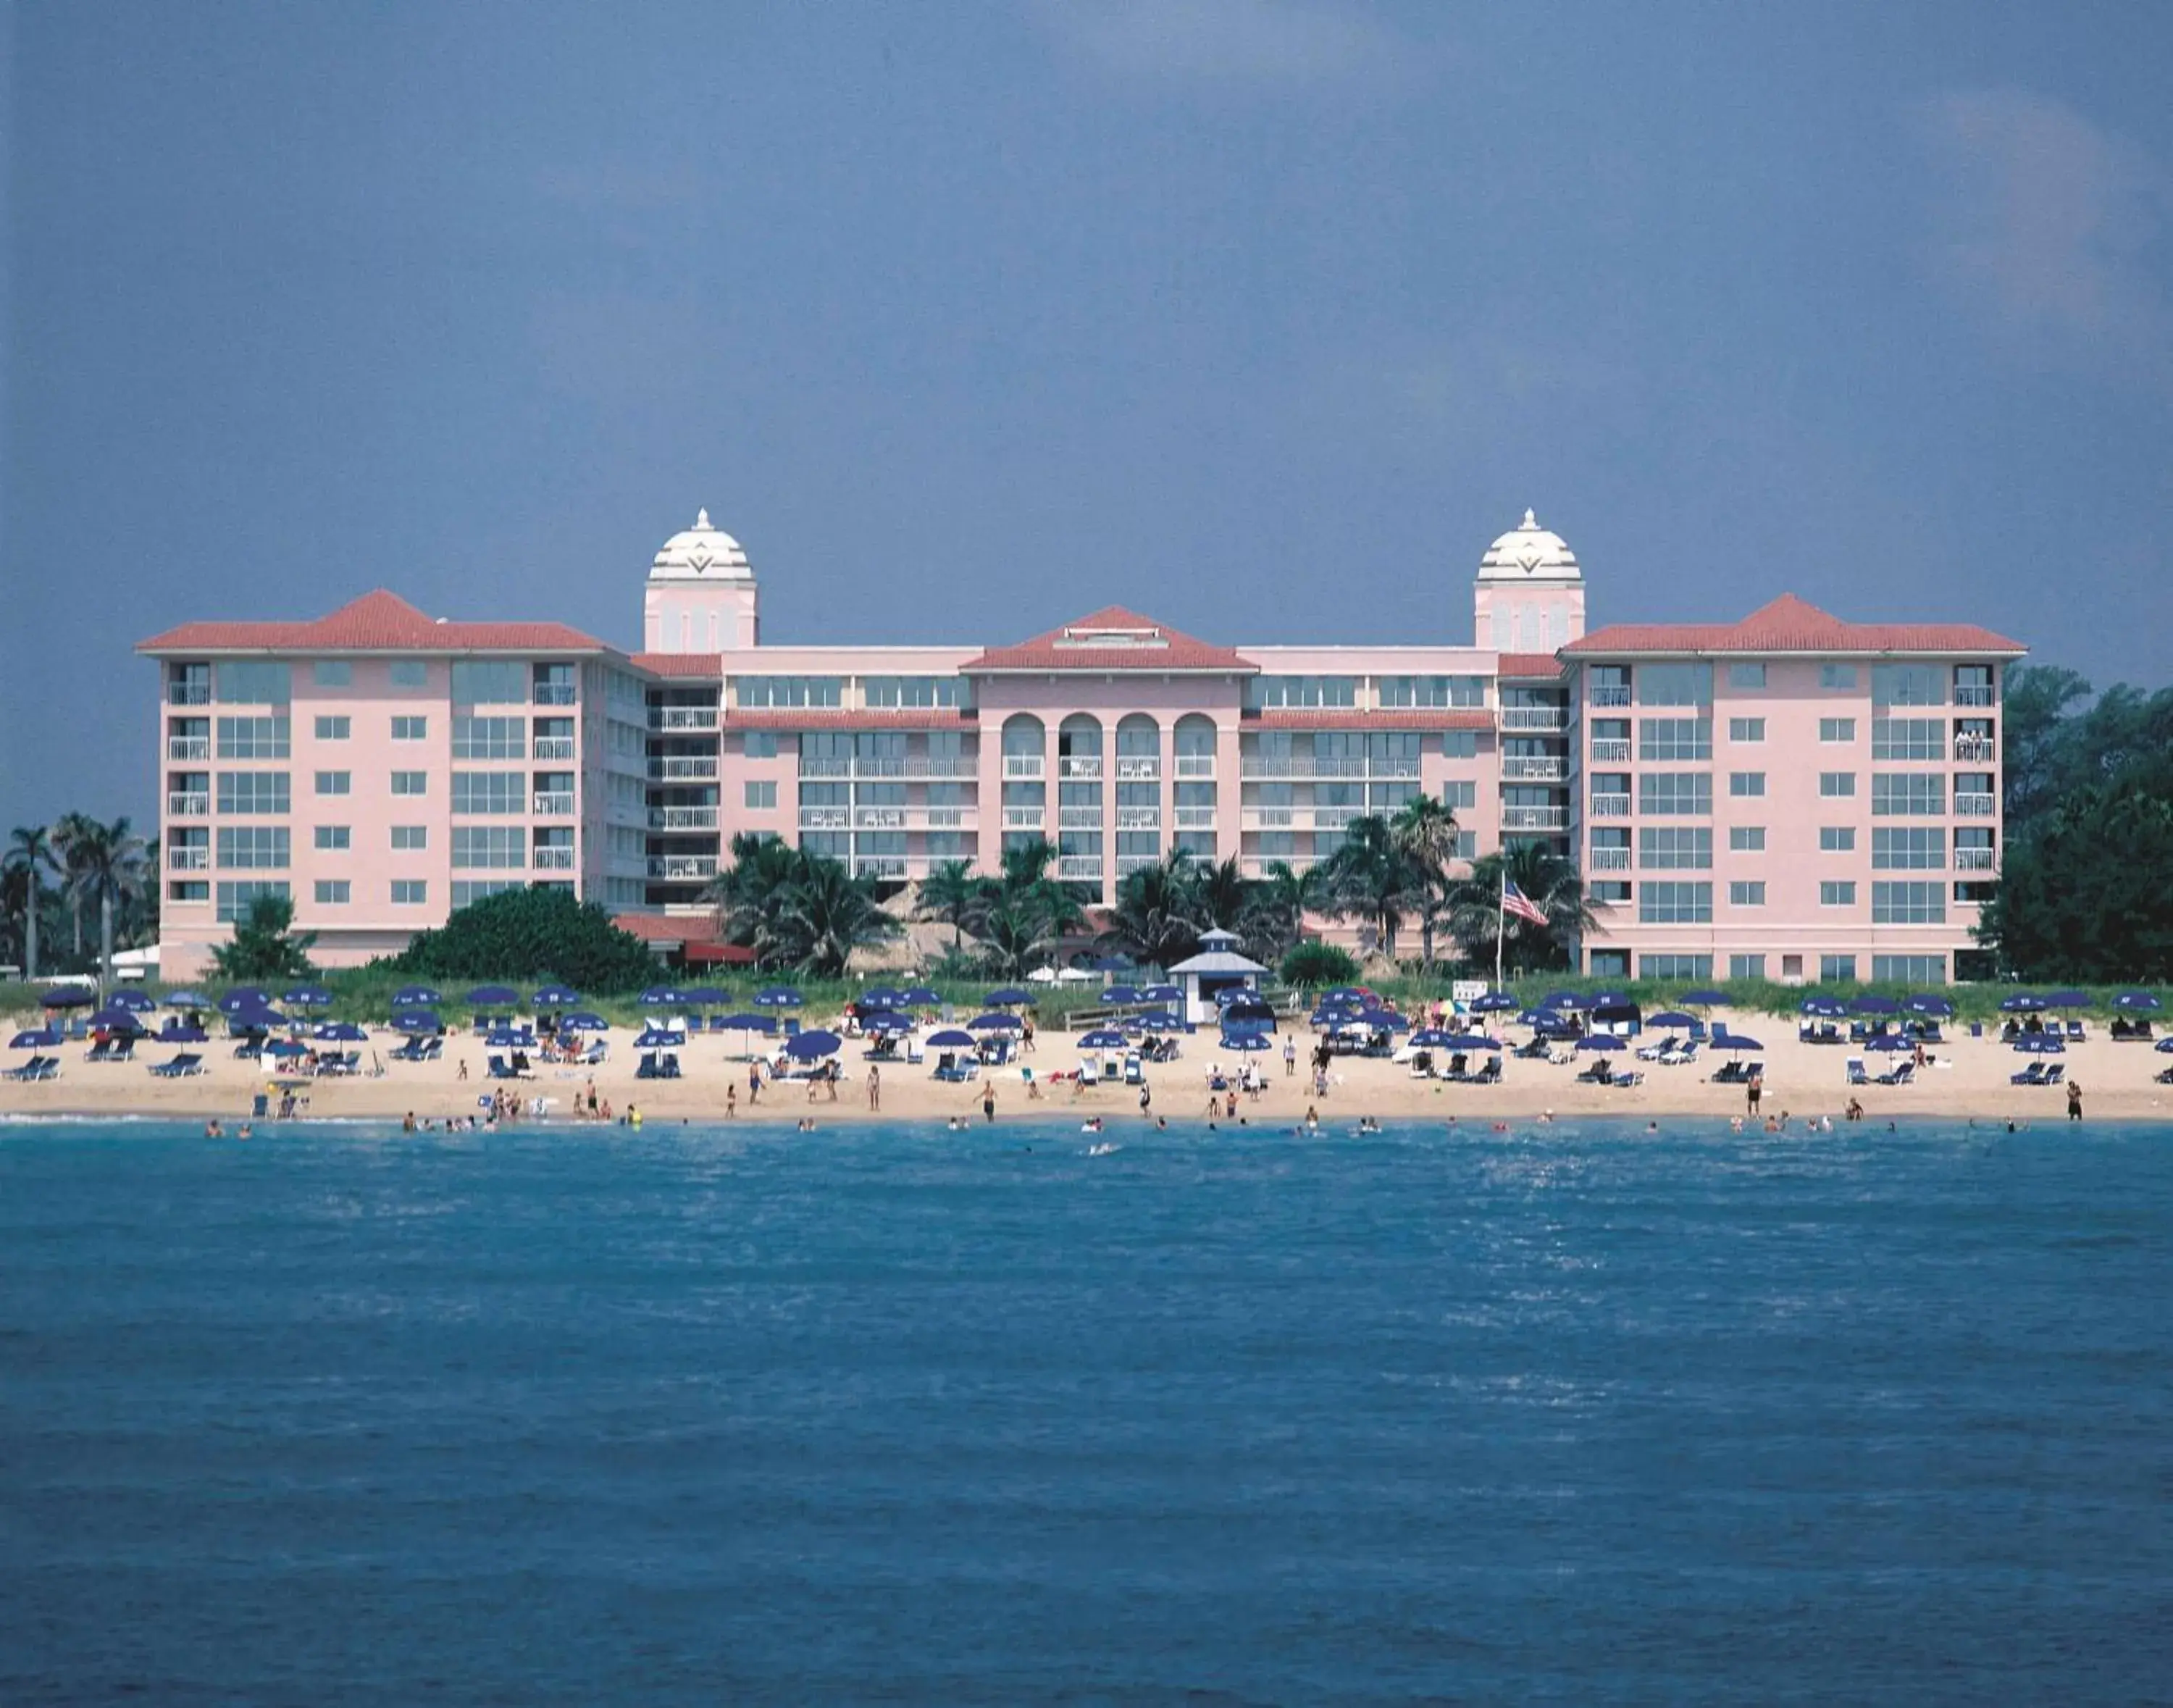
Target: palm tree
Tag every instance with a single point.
(1272, 919)
(30, 852)
(1152, 921)
(1368, 877)
(827, 913)
(746, 892)
(950, 893)
(112, 857)
(1546, 879)
(1221, 894)
(1425, 832)
(1013, 936)
(1026, 864)
(70, 833)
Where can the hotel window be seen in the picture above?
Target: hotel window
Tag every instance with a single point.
(1836, 785)
(1611, 891)
(410, 838)
(504, 846)
(1671, 849)
(411, 729)
(1973, 685)
(252, 682)
(253, 738)
(918, 691)
(408, 673)
(1906, 794)
(1386, 799)
(1908, 738)
(1674, 903)
(1676, 967)
(1746, 967)
(335, 782)
(253, 848)
(333, 728)
(410, 782)
(1674, 738)
(1908, 904)
(1908, 685)
(1675, 793)
(1467, 845)
(1751, 894)
(470, 890)
(235, 897)
(500, 794)
(334, 838)
(333, 673)
(1746, 675)
(262, 793)
(1675, 685)
(790, 692)
(1837, 675)
(1264, 691)
(1609, 963)
(410, 892)
(332, 892)
(1837, 893)
(1746, 785)
(1459, 744)
(486, 738)
(1837, 731)
(1460, 795)
(760, 797)
(1747, 731)
(759, 744)
(1909, 969)
(1746, 838)
(1836, 969)
(188, 890)
(489, 682)
(1462, 691)
(1908, 849)
(1836, 838)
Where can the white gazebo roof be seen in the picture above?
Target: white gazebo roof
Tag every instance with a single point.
(1218, 961)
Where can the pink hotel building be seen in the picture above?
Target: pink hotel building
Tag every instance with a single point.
(1790, 796)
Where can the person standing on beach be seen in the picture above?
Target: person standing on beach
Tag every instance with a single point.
(1753, 1090)
(732, 1100)
(1290, 1058)
(988, 1101)
(874, 1087)
(1146, 1098)
(2074, 1100)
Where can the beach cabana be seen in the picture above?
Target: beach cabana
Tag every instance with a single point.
(1216, 968)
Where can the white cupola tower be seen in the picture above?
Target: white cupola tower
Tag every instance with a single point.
(1531, 595)
(701, 596)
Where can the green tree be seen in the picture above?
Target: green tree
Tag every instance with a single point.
(109, 859)
(1424, 833)
(2087, 895)
(2034, 732)
(535, 933)
(1368, 878)
(30, 853)
(1319, 967)
(264, 946)
(1271, 919)
(826, 914)
(950, 894)
(1546, 879)
(1014, 937)
(1153, 920)
(72, 835)
(1221, 894)
(746, 893)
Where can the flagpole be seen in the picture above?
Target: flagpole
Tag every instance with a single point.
(1500, 925)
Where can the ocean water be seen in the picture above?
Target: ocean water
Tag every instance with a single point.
(1571, 1415)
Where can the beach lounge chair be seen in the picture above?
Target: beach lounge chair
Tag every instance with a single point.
(2034, 1075)
(183, 1066)
(1489, 1072)
(37, 1068)
(646, 1068)
(1856, 1076)
(668, 1069)
(1681, 1056)
(1626, 1081)
(1654, 1052)
(496, 1067)
(1422, 1065)
(102, 1051)
(2056, 1073)
(1730, 1074)
(1598, 1074)
(2164, 1076)
(1900, 1075)
(2075, 1031)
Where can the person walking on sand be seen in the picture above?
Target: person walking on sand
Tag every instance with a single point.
(2074, 1100)
(1752, 1091)
(988, 1101)
(463, 1073)
(1290, 1058)
(754, 1084)
(874, 1087)
(732, 1100)
(1146, 1098)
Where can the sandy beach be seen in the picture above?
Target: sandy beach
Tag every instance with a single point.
(1968, 1078)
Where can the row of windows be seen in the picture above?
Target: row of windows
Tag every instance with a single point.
(233, 897)
(1885, 969)
(1689, 793)
(474, 682)
(1681, 901)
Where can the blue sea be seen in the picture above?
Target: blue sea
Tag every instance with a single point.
(1574, 1414)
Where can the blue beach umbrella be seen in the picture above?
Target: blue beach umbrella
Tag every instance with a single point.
(2163, 1045)
(658, 996)
(286, 1046)
(1824, 1008)
(187, 999)
(43, 1038)
(778, 996)
(68, 996)
(996, 1022)
(1471, 1041)
(557, 996)
(1496, 1002)
(657, 1037)
(705, 996)
(1119, 995)
(341, 1031)
(1874, 1005)
(582, 1020)
(921, 996)
(1600, 1040)
(1427, 1037)
(110, 1019)
(1008, 997)
(1161, 993)
(747, 1022)
(2023, 1003)
(308, 996)
(809, 1046)
(1666, 1021)
(1566, 1001)
(887, 1020)
(2138, 1002)
(1246, 1040)
(417, 1021)
(1892, 1042)
(950, 1038)
(1103, 1040)
(244, 996)
(1931, 1007)
(417, 996)
(1735, 1041)
(177, 1030)
(492, 996)
(135, 1001)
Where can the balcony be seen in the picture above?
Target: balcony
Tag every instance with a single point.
(1610, 750)
(677, 717)
(1973, 693)
(1195, 818)
(1974, 750)
(885, 866)
(554, 747)
(188, 806)
(1079, 818)
(1275, 765)
(554, 805)
(825, 767)
(183, 857)
(1520, 767)
(1535, 818)
(1398, 765)
(1129, 864)
(1079, 868)
(188, 747)
(1336, 818)
(1195, 767)
(188, 693)
(1610, 860)
(682, 818)
(1080, 768)
(1977, 859)
(1270, 818)
(950, 818)
(1976, 805)
(1602, 694)
(690, 769)
(879, 818)
(1611, 806)
(685, 868)
(1022, 818)
(1139, 768)
(554, 693)
(826, 818)
(552, 857)
(1021, 767)
(1535, 721)
(1139, 818)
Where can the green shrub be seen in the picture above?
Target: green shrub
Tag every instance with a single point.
(532, 933)
(1314, 966)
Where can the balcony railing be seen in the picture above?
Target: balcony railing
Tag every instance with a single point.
(1611, 806)
(1535, 720)
(1396, 765)
(682, 818)
(554, 805)
(1270, 818)
(1610, 860)
(693, 769)
(1525, 768)
(554, 747)
(1974, 749)
(552, 857)
(1973, 694)
(1079, 868)
(188, 806)
(1021, 767)
(188, 693)
(1079, 818)
(683, 717)
(1976, 805)
(1332, 818)
(1129, 864)
(1079, 767)
(1022, 818)
(948, 818)
(1603, 694)
(682, 868)
(826, 818)
(186, 748)
(890, 867)
(183, 857)
(1139, 818)
(1976, 859)
(554, 693)
(1195, 818)
(879, 818)
(825, 767)
(1273, 765)
(1535, 818)
(1195, 767)
(1136, 767)
(1610, 750)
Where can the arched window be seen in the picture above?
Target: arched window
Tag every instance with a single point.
(1023, 733)
(1195, 735)
(1079, 737)
(1139, 737)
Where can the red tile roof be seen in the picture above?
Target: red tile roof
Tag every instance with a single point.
(1789, 625)
(1112, 638)
(1526, 664)
(833, 718)
(706, 665)
(1391, 718)
(669, 930)
(379, 622)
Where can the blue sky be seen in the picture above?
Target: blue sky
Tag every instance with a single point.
(1262, 315)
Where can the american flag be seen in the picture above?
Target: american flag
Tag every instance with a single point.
(1515, 900)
